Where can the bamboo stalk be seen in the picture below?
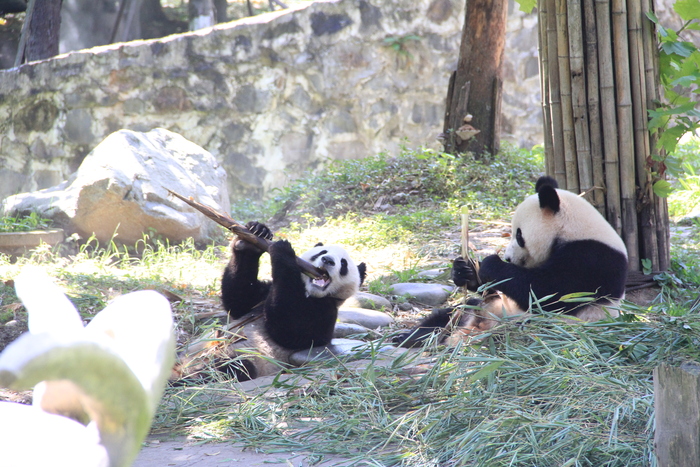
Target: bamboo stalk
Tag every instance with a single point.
(578, 96)
(647, 217)
(245, 234)
(651, 71)
(608, 115)
(566, 104)
(555, 95)
(626, 132)
(544, 85)
(594, 117)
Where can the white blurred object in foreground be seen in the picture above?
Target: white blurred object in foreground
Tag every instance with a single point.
(96, 388)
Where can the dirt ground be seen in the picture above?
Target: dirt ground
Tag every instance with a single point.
(181, 452)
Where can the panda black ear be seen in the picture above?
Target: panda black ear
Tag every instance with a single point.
(549, 199)
(545, 180)
(318, 244)
(362, 269)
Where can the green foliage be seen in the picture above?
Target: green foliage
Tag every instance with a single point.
(26, 223)
(405, 197)
(685, 197)
(526, 6)
(679, 67)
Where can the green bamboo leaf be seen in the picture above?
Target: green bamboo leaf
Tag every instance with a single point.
(484, 371)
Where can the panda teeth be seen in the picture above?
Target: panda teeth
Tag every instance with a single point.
(320, 282)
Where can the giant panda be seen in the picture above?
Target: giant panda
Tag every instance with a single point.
(273, 319)
(560, 244)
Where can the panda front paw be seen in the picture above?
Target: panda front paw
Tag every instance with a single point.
(281, 248)
(259, 230)
(491, 268)
(465, 272)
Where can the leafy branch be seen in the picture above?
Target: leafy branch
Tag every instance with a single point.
(679, 66)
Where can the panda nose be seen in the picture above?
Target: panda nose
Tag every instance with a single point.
(327, 261)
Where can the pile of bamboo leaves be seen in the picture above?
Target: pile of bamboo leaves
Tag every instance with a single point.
(543, 393)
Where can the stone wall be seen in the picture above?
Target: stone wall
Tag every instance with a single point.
(270, 96)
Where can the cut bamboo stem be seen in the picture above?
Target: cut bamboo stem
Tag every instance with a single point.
(567, 116)
(593, 102)
(647, 218)
(555, 95)
(609, 117)
(578, 96)
(626, 132)
(544, 86)
(245, 234)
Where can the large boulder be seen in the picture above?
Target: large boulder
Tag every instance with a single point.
(121, 186)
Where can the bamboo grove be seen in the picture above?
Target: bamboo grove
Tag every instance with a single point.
(599, 75)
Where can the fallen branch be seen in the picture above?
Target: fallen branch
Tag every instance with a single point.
(245, 234)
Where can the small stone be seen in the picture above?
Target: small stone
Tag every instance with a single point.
(368, 300)
(371, 319)
(337, 347)
(430, 273)
(348, 329)
(12, 323)
(427, 294)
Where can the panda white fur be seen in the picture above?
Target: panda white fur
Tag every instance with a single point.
(274, 318)
(560, 244)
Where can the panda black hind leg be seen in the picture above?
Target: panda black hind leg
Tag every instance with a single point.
(240, 288)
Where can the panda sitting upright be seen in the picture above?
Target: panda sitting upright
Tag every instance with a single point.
(560, 245)
(272, 319)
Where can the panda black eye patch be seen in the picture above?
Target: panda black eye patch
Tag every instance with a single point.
(519, 238)
(343, 267)
(320, 253)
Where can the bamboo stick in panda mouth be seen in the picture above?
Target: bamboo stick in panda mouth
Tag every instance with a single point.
(246, 235)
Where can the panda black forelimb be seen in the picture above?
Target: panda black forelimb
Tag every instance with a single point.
(240, 288)
(293, 319)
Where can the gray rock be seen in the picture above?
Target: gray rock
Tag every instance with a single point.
(337, 347)
(348, 329)
(371, 319)
(427, 294)
(431, 273)
(368, 300)
(122, 185)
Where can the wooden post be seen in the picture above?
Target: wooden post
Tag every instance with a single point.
(677, 407)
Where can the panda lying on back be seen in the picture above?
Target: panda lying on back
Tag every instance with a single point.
(272, 319)
(299, 312)
(560, 245)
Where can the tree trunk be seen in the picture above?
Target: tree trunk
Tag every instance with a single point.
(475, 87)
(598, 61)
(43, 30)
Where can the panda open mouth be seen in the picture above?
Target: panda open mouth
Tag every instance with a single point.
(322, 282)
